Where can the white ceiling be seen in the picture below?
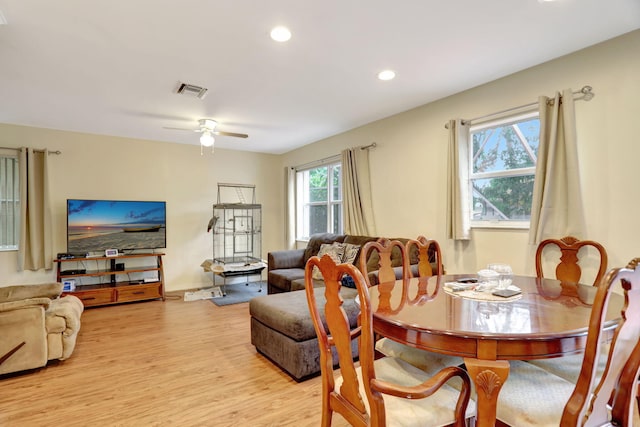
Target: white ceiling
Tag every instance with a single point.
(111, 67)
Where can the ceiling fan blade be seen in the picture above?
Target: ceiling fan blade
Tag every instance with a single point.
(237, 135)
(191, 130)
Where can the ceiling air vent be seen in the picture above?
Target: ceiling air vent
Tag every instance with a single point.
(192, 90)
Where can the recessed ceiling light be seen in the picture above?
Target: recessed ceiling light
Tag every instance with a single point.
(281, 34)
(386, 75)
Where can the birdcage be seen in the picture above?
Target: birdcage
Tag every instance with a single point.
(237, 236)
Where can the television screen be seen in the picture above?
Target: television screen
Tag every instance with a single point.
(97, 225)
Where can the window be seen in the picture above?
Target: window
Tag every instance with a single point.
(502, 171)
(9, 203)
(319, 200)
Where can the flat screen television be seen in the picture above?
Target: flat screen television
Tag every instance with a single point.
(98, 225)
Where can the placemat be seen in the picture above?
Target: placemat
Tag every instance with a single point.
(480, 295)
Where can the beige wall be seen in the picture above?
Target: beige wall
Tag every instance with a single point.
(101, 167)
(409, 164)
(409, 185)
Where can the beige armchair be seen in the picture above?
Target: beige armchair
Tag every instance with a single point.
(36, 325)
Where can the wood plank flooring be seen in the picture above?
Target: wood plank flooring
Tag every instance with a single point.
(155, 363)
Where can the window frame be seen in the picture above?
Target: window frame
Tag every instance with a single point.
(519, 117)
(9, 196)
(303, 204)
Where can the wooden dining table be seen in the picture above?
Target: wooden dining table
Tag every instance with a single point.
(549, 319)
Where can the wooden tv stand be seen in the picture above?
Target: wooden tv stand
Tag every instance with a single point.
(111, 289)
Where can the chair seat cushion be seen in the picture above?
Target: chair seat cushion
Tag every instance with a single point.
(435, 410)
(568, 367)
(532, 396)
(426, 361)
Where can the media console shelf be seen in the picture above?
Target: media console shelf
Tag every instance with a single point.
(113, 276)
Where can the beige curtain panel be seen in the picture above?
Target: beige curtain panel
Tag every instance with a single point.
(557, 208)
(458, 203)
(356, 193)
(290, 207)
(36, 248)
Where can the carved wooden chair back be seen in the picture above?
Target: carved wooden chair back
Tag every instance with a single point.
(613, 399)
(425, 248)
(346, 394)
(385, 249)
(568, 270)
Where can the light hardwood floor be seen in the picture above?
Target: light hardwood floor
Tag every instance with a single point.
(155, 363)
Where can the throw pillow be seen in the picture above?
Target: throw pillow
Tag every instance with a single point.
(335, 251)
(350, 253)
(348, 282)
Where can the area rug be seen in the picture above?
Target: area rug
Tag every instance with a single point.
(240, 292)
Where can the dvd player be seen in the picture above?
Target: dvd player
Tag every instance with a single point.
(65, 255)
(74, 271)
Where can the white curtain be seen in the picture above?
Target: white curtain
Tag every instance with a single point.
(35, 251)
(290, 207)
(356, 193)
(458, 203)
(557, 208)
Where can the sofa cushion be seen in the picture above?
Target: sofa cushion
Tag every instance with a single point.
(299, 284)
(282, 278)
(372, 262)
(317, 240)
(289, 313)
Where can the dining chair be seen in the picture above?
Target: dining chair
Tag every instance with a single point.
(385, 249)
(380, 392)
(427, 250)
(568, 270)
(425, 360)
(532, 396)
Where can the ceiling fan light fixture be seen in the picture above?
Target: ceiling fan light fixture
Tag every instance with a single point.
(207, 124)
(206, 139)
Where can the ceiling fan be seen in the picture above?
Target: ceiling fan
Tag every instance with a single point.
(207, 128)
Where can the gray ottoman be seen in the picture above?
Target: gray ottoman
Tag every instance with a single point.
(282, 329)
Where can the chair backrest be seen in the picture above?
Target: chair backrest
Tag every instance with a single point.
(568, 270)
(385, 248)
(425, 248)
(347, 400)
(589, 405)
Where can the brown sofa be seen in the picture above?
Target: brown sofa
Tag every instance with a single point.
(281, 325)
(36, 325)
(285, 271)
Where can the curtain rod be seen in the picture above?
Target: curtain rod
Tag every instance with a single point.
(38, 150)
(319, 162)
(584, 93)
(330, 159)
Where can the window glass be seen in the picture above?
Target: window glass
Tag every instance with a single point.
(9, 203)
(319, 200)
(502, 171)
